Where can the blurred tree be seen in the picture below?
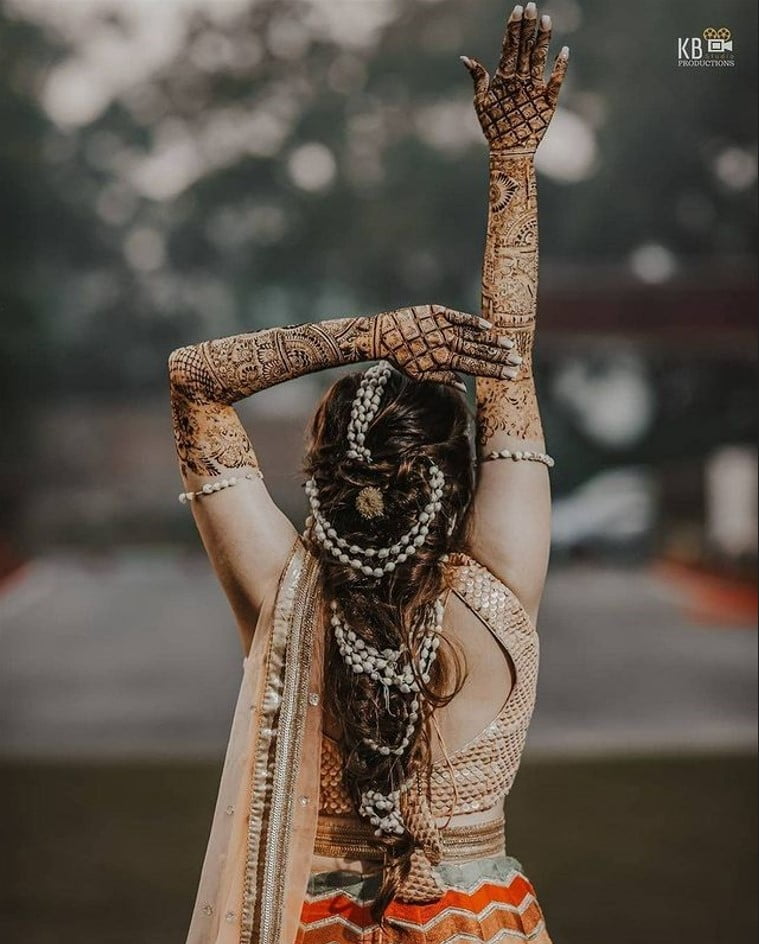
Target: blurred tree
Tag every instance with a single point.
(283, 165)
(174, 171)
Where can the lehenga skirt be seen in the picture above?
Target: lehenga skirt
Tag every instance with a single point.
(488, 899)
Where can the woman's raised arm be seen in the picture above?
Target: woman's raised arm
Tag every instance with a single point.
(245, 535)
(512, 508)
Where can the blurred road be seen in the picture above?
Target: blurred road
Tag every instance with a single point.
(136, 654)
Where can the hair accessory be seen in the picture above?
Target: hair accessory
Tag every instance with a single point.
(210, 487)
(375, 562)
(518, 454)
(365, 406)
(369, 502)
(388, 668)
(372, 562)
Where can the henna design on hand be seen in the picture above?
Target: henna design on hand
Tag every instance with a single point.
(514, 108)
(430, 342)
(206, 379)
(516, 105)
(427, 342)
(509, 292)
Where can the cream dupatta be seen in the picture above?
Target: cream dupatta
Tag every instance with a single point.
(258, 858)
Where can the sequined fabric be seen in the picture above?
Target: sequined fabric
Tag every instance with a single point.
(480, 774)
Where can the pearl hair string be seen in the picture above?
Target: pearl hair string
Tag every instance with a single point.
(372, 562)
(210, 487)
(520, 454)
(383, 810)
(364, 409)
(376, 562)
(387, 667)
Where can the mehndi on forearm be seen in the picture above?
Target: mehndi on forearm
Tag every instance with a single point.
(207, 378)
(509, 290)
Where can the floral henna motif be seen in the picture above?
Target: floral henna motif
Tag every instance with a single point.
(427, 342)
(509, 293)
(209, 437)
(502, 189)
(246, 363)
(514, 109)
(206, 379)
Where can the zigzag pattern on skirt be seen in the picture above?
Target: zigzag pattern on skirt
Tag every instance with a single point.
(488, 901)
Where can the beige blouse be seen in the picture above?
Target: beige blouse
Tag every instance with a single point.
(477, 776)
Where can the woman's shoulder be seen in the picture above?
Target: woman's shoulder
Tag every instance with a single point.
(482, 590)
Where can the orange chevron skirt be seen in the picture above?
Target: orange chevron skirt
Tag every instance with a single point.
(486, 900)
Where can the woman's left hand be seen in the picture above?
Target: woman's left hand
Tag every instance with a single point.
(432, 342)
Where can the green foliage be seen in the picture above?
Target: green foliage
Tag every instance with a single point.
(102, 262)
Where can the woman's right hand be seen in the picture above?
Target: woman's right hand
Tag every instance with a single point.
(432, 342)
(516, 105)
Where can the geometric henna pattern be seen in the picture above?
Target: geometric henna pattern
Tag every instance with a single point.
(430, 342)
(514, 108)
(516, 105)
(426, 342)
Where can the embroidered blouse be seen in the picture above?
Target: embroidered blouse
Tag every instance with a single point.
(480, 774)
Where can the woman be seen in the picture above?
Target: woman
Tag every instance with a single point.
(391, 650)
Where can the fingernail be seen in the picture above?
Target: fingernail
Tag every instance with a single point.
(515, 359)
(509, 373)
(485, 324)
(545, 21)
(505, 342)
(516, 13)
(466, 60)
(461, 387)
(564, 52)
(530, 9)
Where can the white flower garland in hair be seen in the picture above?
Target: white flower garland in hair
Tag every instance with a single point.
(365, 406)
(372, 562)
(383, 810)
(376, 562)
(384, 667)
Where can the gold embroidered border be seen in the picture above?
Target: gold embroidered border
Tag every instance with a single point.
(345, 837)
(282, 699)
(289, 744)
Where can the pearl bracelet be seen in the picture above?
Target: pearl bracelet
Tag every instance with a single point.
(518, 454)
(210, 487)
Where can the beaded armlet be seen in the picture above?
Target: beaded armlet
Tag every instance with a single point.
(519, 454)
(210, 487)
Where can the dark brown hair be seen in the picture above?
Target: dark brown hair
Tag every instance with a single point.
(415, 423)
